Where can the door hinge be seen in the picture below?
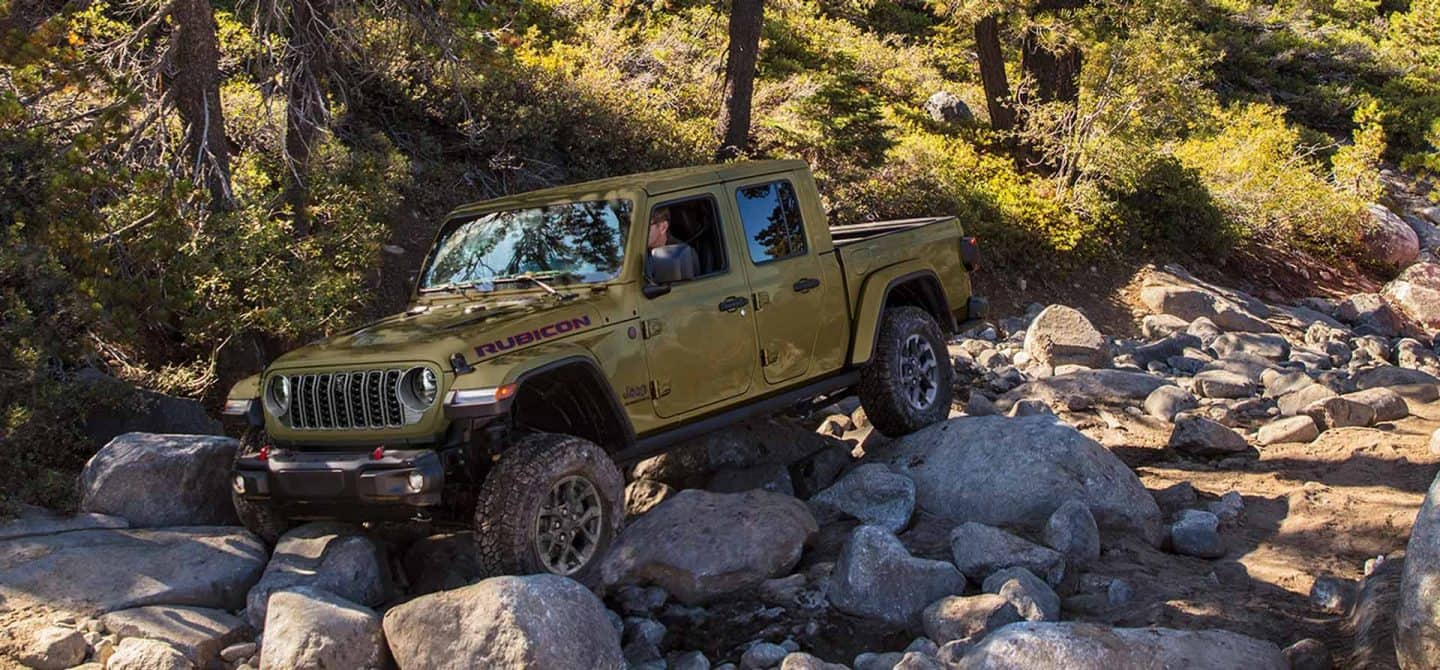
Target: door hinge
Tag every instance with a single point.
(659, 388)
(768, 357)
(760, 299)
(651, 328)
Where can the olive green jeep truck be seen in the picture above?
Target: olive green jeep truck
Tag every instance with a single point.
(558, 334)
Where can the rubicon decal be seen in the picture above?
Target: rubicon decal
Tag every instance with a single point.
(532, 336)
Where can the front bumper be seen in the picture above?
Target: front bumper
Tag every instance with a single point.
(351, 486)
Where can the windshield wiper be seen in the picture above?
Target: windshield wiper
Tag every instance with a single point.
(536, 278)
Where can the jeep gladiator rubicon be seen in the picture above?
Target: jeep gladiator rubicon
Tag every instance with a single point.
(555, 335)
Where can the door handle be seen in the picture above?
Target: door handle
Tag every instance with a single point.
(806, 284)
(733, 303)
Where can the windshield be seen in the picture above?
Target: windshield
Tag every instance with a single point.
(570, 242)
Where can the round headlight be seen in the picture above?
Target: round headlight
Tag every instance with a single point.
(423, 387)
(279, 395)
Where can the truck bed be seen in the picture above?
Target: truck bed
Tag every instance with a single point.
(845, 235)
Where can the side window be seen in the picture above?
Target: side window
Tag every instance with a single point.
(771, 216)
(684, 237)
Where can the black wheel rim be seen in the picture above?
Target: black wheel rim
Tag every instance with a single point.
(919, 372)
(569, 526)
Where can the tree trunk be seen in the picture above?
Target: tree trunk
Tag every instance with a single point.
(196, 87)
(992, 73)
(746, 19)
(1055, 74)
(307, 64)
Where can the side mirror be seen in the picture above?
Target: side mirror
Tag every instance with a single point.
(667, 265)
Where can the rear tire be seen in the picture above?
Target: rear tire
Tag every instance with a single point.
(908, 383)
(553, 504)
(258, 516)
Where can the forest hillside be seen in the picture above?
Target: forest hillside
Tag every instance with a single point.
(189, 188)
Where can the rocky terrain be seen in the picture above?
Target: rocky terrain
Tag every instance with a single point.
(1234, 489)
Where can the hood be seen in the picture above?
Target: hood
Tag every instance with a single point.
(436, 331)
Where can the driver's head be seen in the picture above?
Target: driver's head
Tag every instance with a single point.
(659, 228)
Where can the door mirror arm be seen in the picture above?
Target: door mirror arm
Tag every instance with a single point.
(653, 291)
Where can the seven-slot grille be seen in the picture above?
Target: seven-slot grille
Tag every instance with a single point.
(346, 400)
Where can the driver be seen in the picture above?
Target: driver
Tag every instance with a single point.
(659, 236)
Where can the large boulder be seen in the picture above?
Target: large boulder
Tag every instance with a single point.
(1417, 623)
(441, 562)
(872, 494)
(979, 550)
(162, 480)
(335, 557)
(1088, 646)
(197, 632)
(1061, 335)
(947, 108)
(1416, 293)
(535, 622)
(1265, 345)
(968, 618)
(876, 578)
(1370, 314)
(1088, 388)
(1176, 292)
(33, 520)
(138, 653)
(1196, 435)
(134, 410)
(311, 628)
(1016, 472)
(700, 545)
(1388, 239)
(98, 571)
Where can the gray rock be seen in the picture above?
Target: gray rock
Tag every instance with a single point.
(1159, 326)
(1030, 595)
(1388, 405)
(1009, 472)
(1279, 384)
(1193, 303)
(333, 557)
(1393, 377)
(1265, 345)
(1196, 533)
(31, 520)
(873, 661)
(1119, 592)
(1072, 531)
(1028, 407)
(1085, 389)
(442, 562)
(700, 545)
(871, 493)
(1370, 314)
(1339, 413)
(1246, 365)
(877, 578)
(1388, 239)
(945, 107)
(1162, 350)
(1293, 403)
(97, 571)
(980, 405)
(1409, 353)
(1300, 428)
(1167, 401)
(763, 655)
(1223, 384)
(144, 411)
(1204, 329)
(1087, 646)
(772, 477)
(769, 440)
(979, 550)
(142, 654)
(1333, 594)
(310, 628)
(1061, 335)
(1175, 497)
(1309, 654)
(238, 652)
(161, 480)
(537, 621)
(914, 660)
(967, 617)
(1417, 634)
(642, 495)
(802, 661)
(54, 648)
(819, 470)
(1199, 436)
(695, 660)
(198, 633)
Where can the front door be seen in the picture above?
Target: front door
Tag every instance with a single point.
(784, 276)
(699, 337)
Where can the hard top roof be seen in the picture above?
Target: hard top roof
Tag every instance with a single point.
(653, 183)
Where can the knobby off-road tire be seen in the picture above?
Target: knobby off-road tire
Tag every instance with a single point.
(553, 503)
(258, 516)
(907, 384)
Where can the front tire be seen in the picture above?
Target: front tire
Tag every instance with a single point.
(258, 516)
(908, 383)
(553, 504)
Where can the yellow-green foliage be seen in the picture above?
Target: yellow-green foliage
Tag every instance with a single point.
(1269, 184)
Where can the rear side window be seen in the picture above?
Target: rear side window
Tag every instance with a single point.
(771, 216)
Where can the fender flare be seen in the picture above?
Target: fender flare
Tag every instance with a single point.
(875, 295)
(587, 363)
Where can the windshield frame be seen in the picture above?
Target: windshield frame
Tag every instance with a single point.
(461, 216)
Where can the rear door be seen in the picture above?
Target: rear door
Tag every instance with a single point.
(785, 277)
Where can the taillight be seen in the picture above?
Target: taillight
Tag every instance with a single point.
(970, 253)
